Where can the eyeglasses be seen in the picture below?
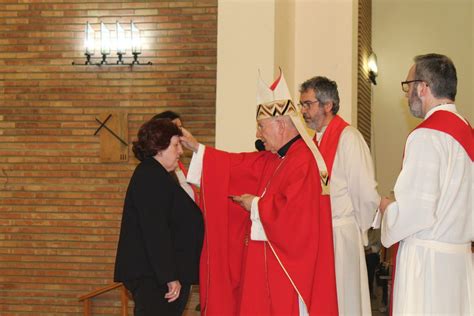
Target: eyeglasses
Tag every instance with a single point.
(306, 104)
(406, 84)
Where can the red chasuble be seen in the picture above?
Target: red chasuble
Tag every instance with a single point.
(449, 123)
(240, 276)
(185, 172)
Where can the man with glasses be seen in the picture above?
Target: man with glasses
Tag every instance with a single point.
(432, 217)
(353, 195)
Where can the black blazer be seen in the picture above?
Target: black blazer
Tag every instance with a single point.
(162, 229)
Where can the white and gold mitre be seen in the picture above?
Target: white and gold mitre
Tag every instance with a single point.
(274, 100)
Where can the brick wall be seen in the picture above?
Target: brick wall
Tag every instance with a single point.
(60, 206)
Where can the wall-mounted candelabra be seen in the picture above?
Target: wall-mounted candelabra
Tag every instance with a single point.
(121, 45)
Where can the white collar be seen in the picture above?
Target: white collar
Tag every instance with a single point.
(320, 134)
(442, 107)
(450, 107)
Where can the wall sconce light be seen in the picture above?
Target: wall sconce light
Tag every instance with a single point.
(373, 70)
(122, 43)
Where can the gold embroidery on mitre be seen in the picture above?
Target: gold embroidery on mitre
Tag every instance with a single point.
(275, 108)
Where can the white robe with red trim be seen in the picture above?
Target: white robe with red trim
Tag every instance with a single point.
(354, 201)
(432, 218)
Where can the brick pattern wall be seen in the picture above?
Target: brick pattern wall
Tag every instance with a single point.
(364, 86)
(60, 206)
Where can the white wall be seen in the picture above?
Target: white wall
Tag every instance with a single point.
(326, 46)
(305, 38)
(401, 30)
(245, 44)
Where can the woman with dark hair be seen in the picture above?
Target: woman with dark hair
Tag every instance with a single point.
(181, 171)
(170, 115)
(162, 228)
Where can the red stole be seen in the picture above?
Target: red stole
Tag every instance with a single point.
(328, 147)
(449, 123)
(185, 172)
(328, 144)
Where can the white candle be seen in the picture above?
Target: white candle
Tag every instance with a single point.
(136, 42)
(121, 41)
(89, 47)
(104, 39)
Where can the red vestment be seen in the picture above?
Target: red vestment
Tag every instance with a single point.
(240, 276)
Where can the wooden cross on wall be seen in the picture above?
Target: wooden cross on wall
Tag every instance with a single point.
(113, 133)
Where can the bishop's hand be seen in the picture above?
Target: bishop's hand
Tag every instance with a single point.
(245, 200)
(188, 140)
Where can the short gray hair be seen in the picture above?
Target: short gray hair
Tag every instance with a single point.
(325, 90)
(439, 73)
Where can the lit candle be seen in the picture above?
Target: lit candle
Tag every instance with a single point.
(121, 42)
(89, 48)
(104, 39)
(136, 42)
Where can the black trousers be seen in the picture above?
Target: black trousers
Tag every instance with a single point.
(372, 260)
(149, 298)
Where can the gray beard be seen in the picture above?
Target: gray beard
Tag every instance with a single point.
(415, 105)
(416, 112)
